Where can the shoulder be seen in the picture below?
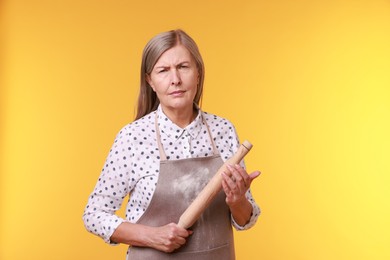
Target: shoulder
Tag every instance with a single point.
(224, 134)
(140, 126)
(217, 121)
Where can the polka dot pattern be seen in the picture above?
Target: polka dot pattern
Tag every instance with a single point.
(132, 166)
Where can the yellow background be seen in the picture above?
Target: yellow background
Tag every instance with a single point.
(307, 82)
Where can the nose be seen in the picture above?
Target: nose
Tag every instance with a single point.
(175, 78)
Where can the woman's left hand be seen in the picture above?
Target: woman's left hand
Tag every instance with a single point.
(235, 183)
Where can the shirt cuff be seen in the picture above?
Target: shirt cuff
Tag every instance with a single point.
(111, 228)
(252, 221)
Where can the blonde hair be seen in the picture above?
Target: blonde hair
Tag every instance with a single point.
(147, 99)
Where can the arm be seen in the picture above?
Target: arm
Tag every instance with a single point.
(117, 179)
(243, 207)
(111, 188)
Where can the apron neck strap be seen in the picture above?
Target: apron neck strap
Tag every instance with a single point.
(163, 156)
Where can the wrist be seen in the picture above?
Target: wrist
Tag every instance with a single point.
(241, 212)
(238, 204)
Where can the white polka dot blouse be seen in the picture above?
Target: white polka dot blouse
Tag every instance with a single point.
(132, 166)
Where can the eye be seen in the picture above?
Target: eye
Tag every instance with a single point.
(183, 66)
(162, 70)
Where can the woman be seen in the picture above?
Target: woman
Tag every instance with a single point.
(163, 160)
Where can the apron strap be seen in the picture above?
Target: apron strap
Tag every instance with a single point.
(215, 151)
(163, 156)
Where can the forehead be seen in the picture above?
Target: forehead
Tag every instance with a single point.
(174, 55)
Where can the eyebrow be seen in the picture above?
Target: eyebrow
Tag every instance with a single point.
(166, 66)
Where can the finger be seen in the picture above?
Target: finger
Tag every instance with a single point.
(230, 185)
(242, 172)
(240, 177)
(226, 187)
(254, 175)
(247, 177)
(229, 180)
(227, 190)
(182, 231)
(234, 174)
(180, 241)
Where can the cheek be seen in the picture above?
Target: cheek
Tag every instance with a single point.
(158, 85)
(192, 79)
(196, 83)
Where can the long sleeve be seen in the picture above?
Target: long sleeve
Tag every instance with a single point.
(234, 143)
(111, 188)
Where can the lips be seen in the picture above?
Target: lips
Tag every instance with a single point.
(177, 93)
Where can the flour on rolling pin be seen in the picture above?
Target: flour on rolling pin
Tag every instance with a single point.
(192, 183)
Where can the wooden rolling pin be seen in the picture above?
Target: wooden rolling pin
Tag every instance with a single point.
(205, 197)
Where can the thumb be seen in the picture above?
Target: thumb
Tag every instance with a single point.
(254, 175)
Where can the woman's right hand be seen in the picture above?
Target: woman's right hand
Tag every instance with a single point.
(165, 238)
(168, 238)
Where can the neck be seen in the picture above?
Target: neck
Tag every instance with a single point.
(182, 117)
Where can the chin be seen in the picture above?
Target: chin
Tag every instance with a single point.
(181, 105)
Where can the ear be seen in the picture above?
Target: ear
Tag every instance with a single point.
(149, 81)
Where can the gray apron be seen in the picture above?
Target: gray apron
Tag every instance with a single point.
(179, 182)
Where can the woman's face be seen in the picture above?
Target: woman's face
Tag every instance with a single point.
(175, 78)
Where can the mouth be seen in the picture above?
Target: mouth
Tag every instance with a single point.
(177, 93)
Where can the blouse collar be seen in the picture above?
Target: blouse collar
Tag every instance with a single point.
(173, 131)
